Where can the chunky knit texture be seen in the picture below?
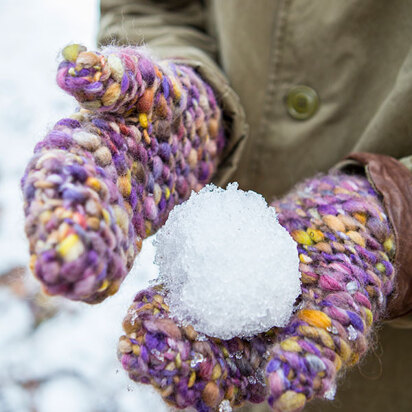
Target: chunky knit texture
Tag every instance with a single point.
(105, 178)
(345, 247)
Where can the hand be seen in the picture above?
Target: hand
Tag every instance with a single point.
(107, 177)
(345, 246)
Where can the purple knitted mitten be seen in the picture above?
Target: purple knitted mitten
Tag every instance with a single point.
(345, 245)
(107, 177)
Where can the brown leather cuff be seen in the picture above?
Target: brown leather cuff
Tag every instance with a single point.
(393, 181)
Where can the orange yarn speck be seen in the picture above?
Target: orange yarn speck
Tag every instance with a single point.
(315, 318)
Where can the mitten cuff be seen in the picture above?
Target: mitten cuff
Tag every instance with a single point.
(393, 181)
(233, 115)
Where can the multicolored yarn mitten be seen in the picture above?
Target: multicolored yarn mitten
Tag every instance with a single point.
(345, 245)
(105, 178)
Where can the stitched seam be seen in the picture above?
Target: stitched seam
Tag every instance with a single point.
(275, 62)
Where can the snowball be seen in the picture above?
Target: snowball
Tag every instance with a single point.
(228, 267)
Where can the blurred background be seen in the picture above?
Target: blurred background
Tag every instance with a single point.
(55, 355)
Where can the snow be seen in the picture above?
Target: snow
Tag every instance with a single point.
(72, 356)
(32, 35)
(67, 363)
(74, 392)
(11, 308)
(330, 393)
(228, 267)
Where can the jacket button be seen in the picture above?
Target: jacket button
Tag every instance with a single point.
(302, 102)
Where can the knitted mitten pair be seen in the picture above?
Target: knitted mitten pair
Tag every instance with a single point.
(345, 245)
(107, 177)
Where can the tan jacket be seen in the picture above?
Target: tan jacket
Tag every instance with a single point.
(354, 57)
(302, 84)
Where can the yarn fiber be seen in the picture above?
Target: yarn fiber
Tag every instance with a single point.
(106, 177)
(345, 248)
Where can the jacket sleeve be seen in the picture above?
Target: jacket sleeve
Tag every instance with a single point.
(176, 29)
(392, 179)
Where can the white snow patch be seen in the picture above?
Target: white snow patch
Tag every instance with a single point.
(22, 321)
(228, 267)
(66, 394)
(76, 349)
(32, 33)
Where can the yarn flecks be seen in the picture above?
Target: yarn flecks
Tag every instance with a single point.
(344, 291)
(186, 368)
(107, 177)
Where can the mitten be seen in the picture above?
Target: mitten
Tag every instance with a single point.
(146, 134)
(345, 247)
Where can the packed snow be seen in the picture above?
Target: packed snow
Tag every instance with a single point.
(228, 267)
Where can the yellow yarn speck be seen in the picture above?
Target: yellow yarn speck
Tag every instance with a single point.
(143, 120)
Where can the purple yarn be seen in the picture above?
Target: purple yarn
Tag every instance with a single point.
(103, 180)
(344, 291)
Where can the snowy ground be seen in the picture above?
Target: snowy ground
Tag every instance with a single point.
(54, 355)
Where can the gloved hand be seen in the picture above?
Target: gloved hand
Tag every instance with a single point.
(345, 248)
(107, 177)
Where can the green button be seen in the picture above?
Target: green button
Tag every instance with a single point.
(302, 102)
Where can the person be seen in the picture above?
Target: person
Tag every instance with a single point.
(300, 86)
(317, 80)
